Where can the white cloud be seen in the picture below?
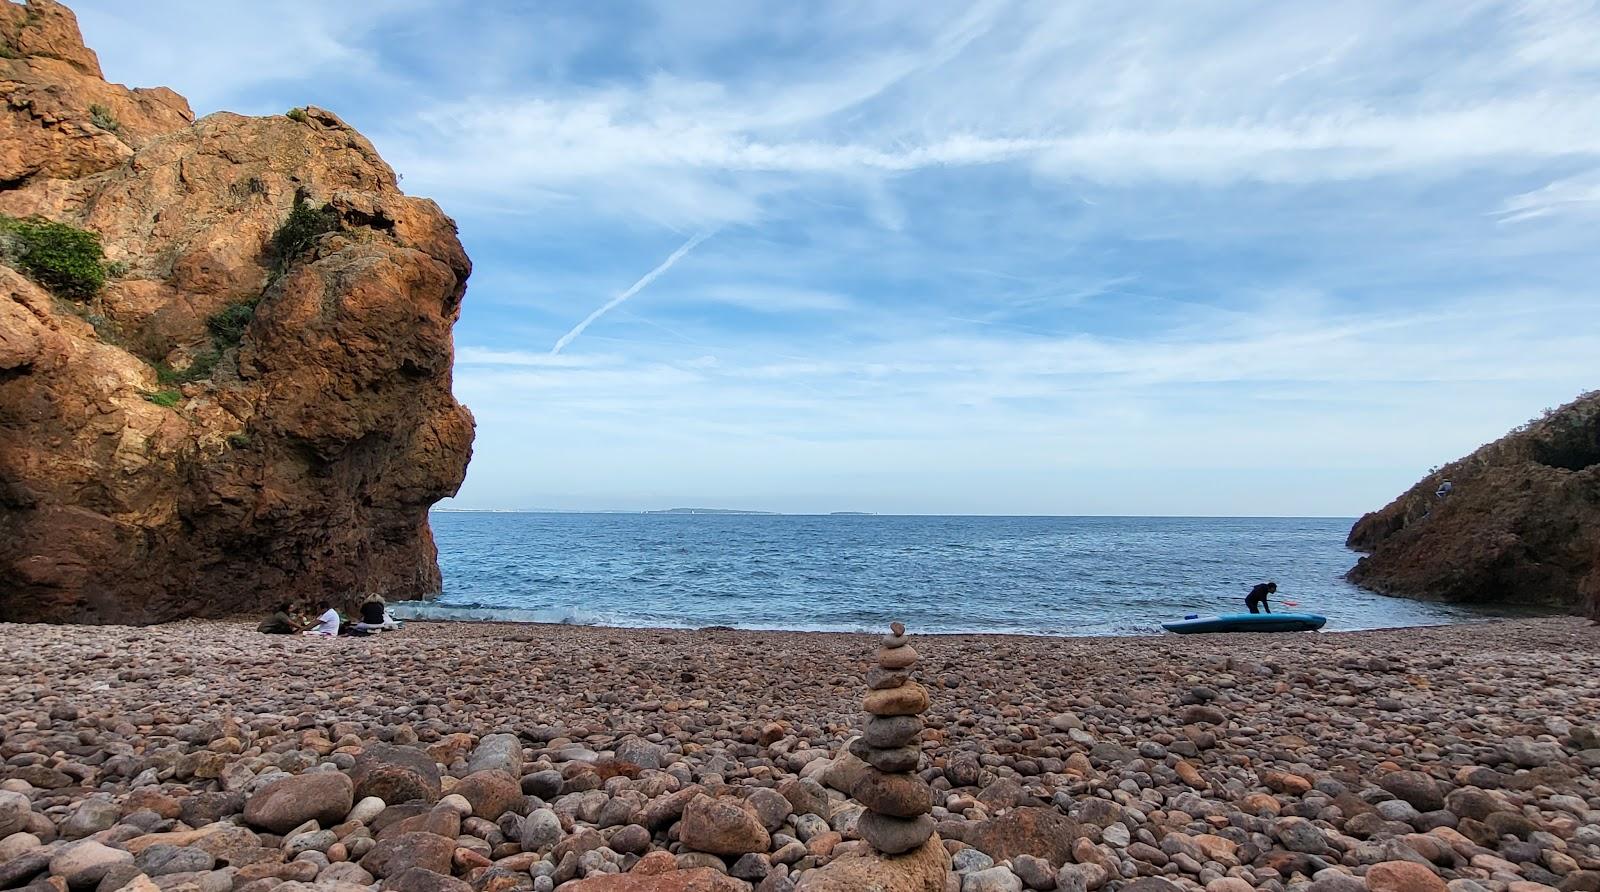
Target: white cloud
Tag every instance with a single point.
(487, 356)
(212, 51)
(766, 298)
(1577, 195)
(1132, 94)
(905, 387)
(543, 144)
(1127, 95)
(984, 244)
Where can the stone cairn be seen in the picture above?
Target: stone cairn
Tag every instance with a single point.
(897, 800)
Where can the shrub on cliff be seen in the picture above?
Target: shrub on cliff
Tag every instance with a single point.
(228, 324)
(101, 117)
(166, 399)
(300, 230)
(198, 369)
(62, 258)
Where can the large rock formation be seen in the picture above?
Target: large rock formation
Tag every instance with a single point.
(244, 411)
(1521, 524)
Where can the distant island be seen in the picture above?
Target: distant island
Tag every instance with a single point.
(445, 509)
(706, 511)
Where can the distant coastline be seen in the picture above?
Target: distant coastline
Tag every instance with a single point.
(705, 511)
(717, 511)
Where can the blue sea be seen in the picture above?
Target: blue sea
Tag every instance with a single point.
(1032, 575)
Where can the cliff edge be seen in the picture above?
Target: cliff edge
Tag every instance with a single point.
(225, 351)
(1520, 525)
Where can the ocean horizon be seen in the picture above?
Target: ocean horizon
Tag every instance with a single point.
(1007, 574)
(758, 512)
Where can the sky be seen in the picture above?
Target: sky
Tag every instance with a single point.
(985, 257)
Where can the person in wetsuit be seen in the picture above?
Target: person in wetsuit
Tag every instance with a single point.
(1258, 595)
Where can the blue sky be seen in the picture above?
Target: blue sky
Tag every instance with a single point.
(1004, 257)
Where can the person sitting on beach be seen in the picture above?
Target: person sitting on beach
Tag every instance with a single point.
(281, 622)
(375, 615)
(1258, 596)
(327, 621)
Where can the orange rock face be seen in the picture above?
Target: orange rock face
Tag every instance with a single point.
(49, 90)
(1520, 525)
(304, 463)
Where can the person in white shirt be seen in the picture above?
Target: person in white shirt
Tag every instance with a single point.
(327, 621)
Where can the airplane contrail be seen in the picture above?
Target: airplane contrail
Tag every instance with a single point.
(633, 289)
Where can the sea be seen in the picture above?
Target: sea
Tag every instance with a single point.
(1028, 575)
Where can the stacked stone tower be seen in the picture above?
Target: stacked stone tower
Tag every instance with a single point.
(897, 800)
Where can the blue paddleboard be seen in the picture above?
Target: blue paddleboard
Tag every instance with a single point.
(1248, 622)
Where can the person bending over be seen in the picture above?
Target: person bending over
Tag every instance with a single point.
(1258, 597)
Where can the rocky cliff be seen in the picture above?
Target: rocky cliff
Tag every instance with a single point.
(1520, 526)
(225, 351)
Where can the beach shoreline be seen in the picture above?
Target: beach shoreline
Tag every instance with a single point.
(508, 616)
(1200, 760)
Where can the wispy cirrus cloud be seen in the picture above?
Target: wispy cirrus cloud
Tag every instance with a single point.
(1577, 195)
(1121, 97)
(1016, 255)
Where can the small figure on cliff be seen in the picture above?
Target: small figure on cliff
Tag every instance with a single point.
(1444, 489)
(281, 622)
(1258, 596)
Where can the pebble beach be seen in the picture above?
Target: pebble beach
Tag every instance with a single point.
(452, 756)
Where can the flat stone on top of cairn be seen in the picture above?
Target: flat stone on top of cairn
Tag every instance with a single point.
(897, 800)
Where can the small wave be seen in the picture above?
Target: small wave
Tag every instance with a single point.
(855, 623)
(567, 616)
(1050, 576)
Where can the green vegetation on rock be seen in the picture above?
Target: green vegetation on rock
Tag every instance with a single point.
(228, 324)
(227, 327)
(101, 117)
(298, 115)
(198, 369)
(300, 231)
(294, 237)
(62, 258)
(167, 399)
